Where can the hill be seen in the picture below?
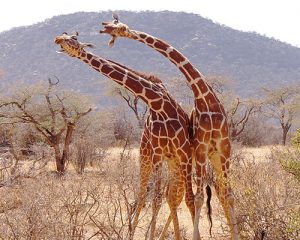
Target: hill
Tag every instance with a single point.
(28, 54)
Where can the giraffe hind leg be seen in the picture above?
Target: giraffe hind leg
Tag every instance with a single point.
(220, 165)
(200, 158)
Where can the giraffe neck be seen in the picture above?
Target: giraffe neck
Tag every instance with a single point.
(150, 93)
(203, 93)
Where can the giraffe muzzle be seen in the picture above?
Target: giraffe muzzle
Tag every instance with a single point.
(58, 40)
(107, 29)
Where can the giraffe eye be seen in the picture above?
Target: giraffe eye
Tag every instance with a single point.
(74, 37)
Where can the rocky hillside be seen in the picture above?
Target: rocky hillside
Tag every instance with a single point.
(28, 54)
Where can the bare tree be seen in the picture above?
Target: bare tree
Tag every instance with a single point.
(238, 110)
(182, 91)
(283, 105)
(238, 115)
(139, 109)
(52, 112)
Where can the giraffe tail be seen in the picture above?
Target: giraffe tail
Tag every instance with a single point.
(191, 124)
(209, 209)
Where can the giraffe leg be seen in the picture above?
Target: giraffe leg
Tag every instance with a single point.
(157, 198)
(186, 169)
(200, 155)
(175, 193)
(184, 185)
(220, 163)
(180, 194)
(165, 229)
(145, 171)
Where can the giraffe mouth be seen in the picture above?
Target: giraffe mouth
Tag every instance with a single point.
(107, 28)
(59, 41)
(60, 50)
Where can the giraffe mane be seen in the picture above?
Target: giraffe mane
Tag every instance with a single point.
(150, 77)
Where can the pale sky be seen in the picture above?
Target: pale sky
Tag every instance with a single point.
(274, 18)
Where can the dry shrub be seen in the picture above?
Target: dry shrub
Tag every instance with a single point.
(14, 166)
(267, 199)
(86, 152)
(170, 233)
(256, 130)
(92, 138)
(96, 205)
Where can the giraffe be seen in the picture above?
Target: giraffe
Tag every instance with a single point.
(166, 134)
(211, 136)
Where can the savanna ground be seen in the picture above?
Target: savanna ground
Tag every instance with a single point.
(99, 203)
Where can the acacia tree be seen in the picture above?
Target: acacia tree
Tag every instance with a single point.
(52, 112)
(283, 105)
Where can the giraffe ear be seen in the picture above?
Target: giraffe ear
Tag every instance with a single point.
(112, 41)
(90, 45)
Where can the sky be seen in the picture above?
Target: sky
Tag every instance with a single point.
(279, 19)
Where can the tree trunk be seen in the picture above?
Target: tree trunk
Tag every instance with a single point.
(68, 138)
(60, 165)
(141, 123)
(62, 158)
(285, 130)
(284, 136)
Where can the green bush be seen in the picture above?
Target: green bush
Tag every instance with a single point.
(266, 198)
(290, 159)
(296, 140)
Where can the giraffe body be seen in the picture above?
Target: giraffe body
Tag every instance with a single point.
(211, 136)
(165, 135)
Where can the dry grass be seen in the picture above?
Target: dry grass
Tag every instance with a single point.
(99, 203)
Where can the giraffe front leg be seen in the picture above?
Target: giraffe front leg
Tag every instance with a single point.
(172, 192)
(165, 229)
(175, 192)
(145, 171)
(180, 194)
(157, 198)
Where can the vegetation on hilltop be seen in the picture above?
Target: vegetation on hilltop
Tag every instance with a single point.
(28, 53)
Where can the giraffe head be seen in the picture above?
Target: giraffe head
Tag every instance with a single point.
(70, 45)
(115, 29)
